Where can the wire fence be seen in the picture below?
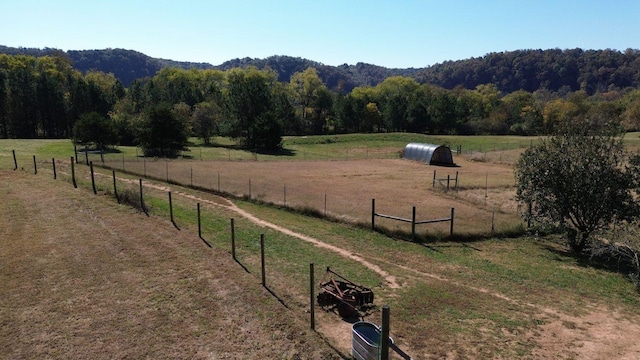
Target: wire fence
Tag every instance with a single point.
(480, 204)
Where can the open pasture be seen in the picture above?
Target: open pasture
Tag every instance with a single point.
(491, 298)
(344, 189)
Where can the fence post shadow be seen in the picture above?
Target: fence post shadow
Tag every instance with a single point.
(200, 228)
(171, 212)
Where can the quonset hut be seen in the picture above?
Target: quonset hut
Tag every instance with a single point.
(429, 154)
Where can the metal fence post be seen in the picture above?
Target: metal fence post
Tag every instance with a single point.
(264, 282)
(233, 240)
(384, 333)
(451, 228)
(311, 297)
(93, 179)
(73, 174)
(199, 223)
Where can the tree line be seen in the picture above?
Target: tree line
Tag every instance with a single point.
(533, 69)
(46, 97)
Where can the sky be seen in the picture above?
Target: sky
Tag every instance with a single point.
(393, 34)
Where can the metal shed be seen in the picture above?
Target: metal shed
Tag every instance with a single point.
(429, 154)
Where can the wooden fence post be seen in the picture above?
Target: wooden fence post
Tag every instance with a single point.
(35, 166)
(325, 203)
(373, 214)
(53, 163)
(413, 224)
(15, 161)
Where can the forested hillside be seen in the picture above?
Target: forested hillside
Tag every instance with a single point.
(530, 70)
(259, 101)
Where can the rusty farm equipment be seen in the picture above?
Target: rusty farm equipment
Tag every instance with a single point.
(345, 295)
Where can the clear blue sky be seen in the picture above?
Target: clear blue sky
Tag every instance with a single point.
(401, 34)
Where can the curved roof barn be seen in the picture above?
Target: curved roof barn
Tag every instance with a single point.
(429, 154)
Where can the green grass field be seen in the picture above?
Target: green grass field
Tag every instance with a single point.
(491, 298)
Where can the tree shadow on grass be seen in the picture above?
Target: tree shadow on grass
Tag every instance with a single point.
(436, 247)
(236, 147)
(606, 262)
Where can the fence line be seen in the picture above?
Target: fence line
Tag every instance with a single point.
(290, 192)
(413, 221)
(448, 180)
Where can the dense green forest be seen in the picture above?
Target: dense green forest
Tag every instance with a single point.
(530, 70)
(55, 94)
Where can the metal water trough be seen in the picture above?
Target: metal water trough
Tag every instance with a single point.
(366, 341)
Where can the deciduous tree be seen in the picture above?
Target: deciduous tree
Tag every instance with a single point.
(94, 128)
(206, 119)
(578, 180)
(160, 133)
(250, 107)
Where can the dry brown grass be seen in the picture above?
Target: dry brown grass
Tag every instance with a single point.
(345, 189)
(94, 280)
(90, 279)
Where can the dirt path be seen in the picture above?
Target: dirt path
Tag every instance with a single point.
(596, 335)
(229, 205)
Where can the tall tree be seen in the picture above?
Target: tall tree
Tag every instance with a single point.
(4, 130)
(371, 118)
(206, 119)
(306, 87)
(95, 129)
(250, 107)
